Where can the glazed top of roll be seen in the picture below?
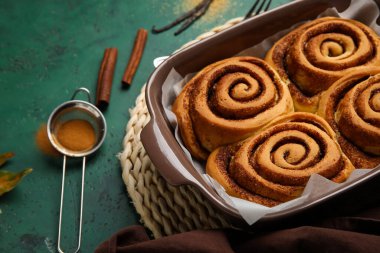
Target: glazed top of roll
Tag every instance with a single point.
(227, 101)
(316, 54)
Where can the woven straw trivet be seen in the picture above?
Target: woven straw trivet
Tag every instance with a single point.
(164, 209)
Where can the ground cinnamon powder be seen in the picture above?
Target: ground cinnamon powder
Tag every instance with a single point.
(43, 142)
(215, 11)
(76, 135)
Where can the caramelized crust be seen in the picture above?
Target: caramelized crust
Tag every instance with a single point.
(217, 167)
(274, 165)
(352, 107)
(314, 55)
(228, 101)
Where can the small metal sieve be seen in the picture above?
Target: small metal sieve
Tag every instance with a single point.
(74, 110)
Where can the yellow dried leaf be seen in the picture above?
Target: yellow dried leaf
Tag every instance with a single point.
(8, 179)
(5, 157)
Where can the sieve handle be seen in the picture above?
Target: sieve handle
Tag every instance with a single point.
(82, 89)
(81, 205)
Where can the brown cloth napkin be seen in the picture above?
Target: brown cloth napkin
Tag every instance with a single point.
(348, 223)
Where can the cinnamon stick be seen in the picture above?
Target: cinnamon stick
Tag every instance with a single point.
(105, 76)
(134, 59)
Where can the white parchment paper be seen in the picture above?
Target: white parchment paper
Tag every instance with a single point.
(365, 11)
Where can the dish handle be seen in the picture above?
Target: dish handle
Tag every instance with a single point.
(163, 157)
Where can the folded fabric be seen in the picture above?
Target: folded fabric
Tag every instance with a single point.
(359, 233)
(350, 222)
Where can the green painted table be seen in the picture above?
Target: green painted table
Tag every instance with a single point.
(47, 50)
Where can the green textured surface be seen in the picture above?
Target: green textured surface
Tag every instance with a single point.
(47, 49)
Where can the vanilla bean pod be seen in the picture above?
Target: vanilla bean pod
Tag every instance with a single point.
(193, 18)
(196, 11)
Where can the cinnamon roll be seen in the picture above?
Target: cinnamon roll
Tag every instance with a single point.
(313, 56)
(352, 107)
(274, 165)
(227, 101)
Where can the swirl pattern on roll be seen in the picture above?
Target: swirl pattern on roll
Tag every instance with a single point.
(352, 107)
(313, 56)
(274, 165)
(227, 101)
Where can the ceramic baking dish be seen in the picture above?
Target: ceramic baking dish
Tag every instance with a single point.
(158, 136)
